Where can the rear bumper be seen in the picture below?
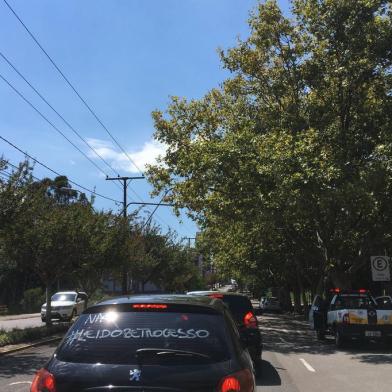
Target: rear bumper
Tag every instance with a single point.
(271, 309)
(57, 314)
(362, 331)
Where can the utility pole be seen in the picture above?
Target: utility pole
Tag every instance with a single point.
(125, 182)
(189, 240)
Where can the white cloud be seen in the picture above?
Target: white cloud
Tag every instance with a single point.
(146, 155)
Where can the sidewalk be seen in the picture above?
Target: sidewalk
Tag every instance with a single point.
(19, 316)
(11, 348)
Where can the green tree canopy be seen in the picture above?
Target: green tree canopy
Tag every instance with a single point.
(287, 165)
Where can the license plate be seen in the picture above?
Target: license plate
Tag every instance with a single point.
(373, 334)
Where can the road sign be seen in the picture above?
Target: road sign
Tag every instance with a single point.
(380, 268)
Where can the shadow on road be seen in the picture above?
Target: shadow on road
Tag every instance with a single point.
(287, 334)
(23, 362)
(268, 375)
(376, 359)
(370, 352)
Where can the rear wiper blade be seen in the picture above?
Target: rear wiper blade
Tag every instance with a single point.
(163, 352)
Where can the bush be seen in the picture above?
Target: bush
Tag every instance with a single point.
(16, 335)
(98, 296)
(32, 300)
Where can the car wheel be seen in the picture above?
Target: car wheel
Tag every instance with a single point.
(387, 342)
(73, 314)
(257, 366)
(320, 335)
(339, 340)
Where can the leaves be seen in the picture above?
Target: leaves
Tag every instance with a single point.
(286, 166)
(50, 232)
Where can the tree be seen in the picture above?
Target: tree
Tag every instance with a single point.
(286, 166)
(165, 262)
(14, 185)
(50, 230)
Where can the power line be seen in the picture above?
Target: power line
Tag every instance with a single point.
(5, 175)
(17, 168)
(77, 93)
(50, 123)
(55, 172)
(58, 114)
(74, 89)
(8, 174)
(71, 85)
(39, 179)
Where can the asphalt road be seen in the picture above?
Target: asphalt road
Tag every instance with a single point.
(17, 370)
(293, 361)
(21, 323)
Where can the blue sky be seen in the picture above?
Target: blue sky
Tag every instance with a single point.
(125, 57)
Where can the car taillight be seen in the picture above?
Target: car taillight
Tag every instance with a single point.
(43, 382)
(241, 381)
(346, 318)
(149, 306)
(250, 320)
(220, 296)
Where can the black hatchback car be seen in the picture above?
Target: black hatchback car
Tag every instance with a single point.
(150, 343)
(244, 315)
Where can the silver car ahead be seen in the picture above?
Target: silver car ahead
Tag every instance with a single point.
(270, 304)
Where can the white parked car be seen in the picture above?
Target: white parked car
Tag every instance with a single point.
(66, 305)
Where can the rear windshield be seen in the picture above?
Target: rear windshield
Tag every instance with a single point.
(353, 302)
(237, 303)
(64, 297)
(114, 337)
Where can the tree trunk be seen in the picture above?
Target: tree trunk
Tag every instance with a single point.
(304, 299)
(124, 281)
(320, 288)
(297, 300)
(340, 279)
(48, 319)
(285, 299)
(301, 286)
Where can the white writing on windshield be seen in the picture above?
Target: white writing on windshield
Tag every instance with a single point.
(137, 333)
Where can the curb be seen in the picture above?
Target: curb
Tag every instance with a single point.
(19, 317)
(28, 345)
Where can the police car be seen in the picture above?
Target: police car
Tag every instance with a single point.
(350, 315)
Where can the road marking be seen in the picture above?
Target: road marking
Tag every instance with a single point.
(307, 365)
(20, 382)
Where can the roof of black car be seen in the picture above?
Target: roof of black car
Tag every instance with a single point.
(166, 299)
(206, 293)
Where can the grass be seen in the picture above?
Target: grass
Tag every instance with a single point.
(17, 335)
